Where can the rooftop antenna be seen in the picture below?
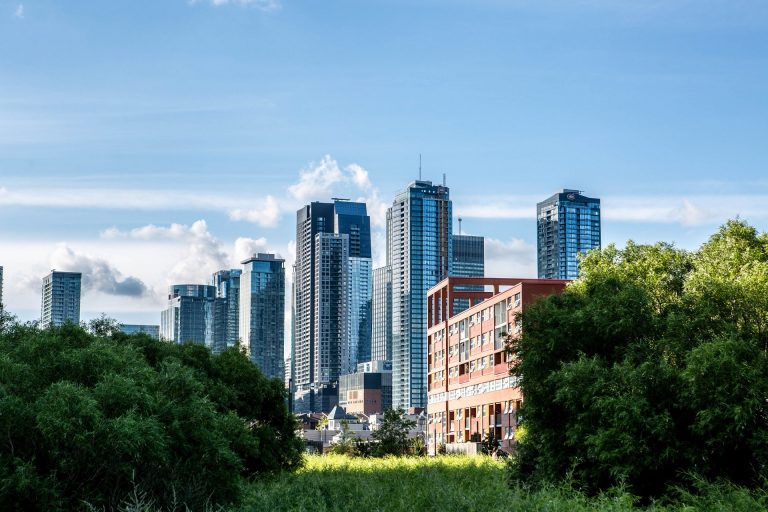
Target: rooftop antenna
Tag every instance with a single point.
(459, 225)
(419, 166)
(443, 179)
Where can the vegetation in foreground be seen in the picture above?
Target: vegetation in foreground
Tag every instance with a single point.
(452, 483)
(94, 420)
(651, 367)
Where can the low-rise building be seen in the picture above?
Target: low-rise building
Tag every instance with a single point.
(471, 394)
(369, 390)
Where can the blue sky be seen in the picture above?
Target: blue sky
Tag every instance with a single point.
(148, 142)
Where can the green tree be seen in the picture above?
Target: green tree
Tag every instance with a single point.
(391, 436)
(650, 366)
(91, 419)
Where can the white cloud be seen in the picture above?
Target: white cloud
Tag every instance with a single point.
(686, 211)
(262, 5)
(267, 215)
(247, 247)
(513, 258)
(204, 254)
(19, 12)
(317, 180)
(98, 274)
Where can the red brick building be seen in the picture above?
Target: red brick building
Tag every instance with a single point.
(469, 389)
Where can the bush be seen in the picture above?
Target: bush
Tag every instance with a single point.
(649, 367)
(91, 419)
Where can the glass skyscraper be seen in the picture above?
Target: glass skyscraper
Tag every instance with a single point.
(226, 315)
(262, 312)
(149, 330)
(381, 336)
(329, 338)
(61, 298)
(468, 261)
(419, 249)
(189, 315)
(568, 224)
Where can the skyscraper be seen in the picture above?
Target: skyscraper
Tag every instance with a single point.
(568, 224)
(189, 315)
(343, 274)
(419, 248)
(1, 286)
(468, 261)
(61, 298)
(226, 313)
(149, 330)
(381, 336)
(352, 219)
(331, 316)
(262, 312)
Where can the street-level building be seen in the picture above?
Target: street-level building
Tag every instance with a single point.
(471, 393)
(367, 391)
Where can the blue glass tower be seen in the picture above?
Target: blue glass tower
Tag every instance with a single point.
(226, 315)
(419, 249)
(468, 261)
(262, 312)
(568, 224)
(189, 315)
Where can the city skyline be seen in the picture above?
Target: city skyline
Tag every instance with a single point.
(162, 160)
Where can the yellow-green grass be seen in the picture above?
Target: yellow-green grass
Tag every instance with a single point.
(449, 483)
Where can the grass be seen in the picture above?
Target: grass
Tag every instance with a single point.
(451, 483)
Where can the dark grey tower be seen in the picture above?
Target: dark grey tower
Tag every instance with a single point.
(468, 261)
(316, 367)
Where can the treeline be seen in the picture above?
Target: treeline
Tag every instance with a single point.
(88, 420)
(651, 370)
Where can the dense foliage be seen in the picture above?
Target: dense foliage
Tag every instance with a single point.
(90, 419)
(650, 368)
(455, 483)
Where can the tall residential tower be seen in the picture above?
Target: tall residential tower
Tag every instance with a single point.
(61, 298)
(419, 249)
(262, 312)
(468, 261)
(189, 315)
(568, 224)
(331, 300)
(226, 313)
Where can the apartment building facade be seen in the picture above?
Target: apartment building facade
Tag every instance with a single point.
(471, 394)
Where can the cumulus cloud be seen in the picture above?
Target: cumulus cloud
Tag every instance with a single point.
(247, 247)
(266, 215)
(98, 274)
(204, 254)
(514, 257)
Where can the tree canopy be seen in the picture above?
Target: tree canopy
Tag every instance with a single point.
(87, 418)
(650, 367)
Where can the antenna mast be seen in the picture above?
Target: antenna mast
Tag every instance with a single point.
(459, 225)
(419, 166)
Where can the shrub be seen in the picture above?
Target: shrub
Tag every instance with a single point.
(92, 419)
(650, 366)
